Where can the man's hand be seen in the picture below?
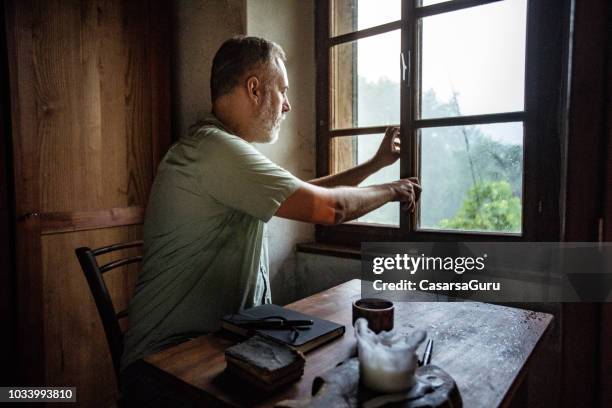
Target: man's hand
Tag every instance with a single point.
(407, 192)
(387, 154)
(389, 149)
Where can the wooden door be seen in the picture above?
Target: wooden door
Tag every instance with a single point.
(89, 83)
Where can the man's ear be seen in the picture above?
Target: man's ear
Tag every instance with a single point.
(253, 88)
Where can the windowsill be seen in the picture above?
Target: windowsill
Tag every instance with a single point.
(340, 251)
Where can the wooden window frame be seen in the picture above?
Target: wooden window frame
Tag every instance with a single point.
(544, 119)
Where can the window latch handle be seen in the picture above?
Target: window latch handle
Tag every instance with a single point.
(405, 67)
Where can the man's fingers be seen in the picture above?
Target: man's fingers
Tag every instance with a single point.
(408, 206)
(408, 194)
(409, 197)
(396, 145)
(392, 129)
(415, 184)
(391, 133)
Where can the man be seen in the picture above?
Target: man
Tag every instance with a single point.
(204, 253)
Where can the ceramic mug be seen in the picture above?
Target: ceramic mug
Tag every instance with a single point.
(378, 313)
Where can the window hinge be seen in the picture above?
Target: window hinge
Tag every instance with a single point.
(540, 207)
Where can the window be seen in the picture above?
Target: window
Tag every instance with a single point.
(474, 86)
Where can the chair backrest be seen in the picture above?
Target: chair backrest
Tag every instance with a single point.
(93, 273)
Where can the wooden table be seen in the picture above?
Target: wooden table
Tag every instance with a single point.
(485, 348)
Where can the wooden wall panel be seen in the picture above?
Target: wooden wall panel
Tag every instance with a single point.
(111, 147)
(25, 157)
(92, 70)
(76, 349)
(138, 103)
(56, 48)
(89, 84)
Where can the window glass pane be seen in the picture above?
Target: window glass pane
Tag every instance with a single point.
(472, 177)
(365, 80)
(349, 151)
(473, 60)
(352, 15)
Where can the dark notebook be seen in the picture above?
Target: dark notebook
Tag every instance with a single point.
(309, 337)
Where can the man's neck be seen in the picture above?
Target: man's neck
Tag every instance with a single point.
(232, 117)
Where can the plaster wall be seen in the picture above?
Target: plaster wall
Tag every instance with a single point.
(200, 27)
(290, 23)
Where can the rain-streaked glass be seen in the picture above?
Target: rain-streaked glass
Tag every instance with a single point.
(472, 177)
(473, 60)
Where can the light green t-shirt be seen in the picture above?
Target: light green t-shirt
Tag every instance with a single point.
(205, 255)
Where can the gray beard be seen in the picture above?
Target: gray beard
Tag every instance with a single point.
(273, 137)
(270, 130)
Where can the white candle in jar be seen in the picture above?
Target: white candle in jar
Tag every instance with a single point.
(387, 361)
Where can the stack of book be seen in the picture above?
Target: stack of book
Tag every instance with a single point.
(265, 363)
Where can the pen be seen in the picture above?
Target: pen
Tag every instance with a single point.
(428, 351)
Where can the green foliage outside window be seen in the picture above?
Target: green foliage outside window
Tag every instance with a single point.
(489, 206)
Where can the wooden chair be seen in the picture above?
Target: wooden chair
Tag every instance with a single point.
(93, 273)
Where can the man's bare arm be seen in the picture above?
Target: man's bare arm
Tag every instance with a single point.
(387, 153)
(332, 206)
(351, 177)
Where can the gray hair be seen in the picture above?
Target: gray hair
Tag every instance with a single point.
(237, 57)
